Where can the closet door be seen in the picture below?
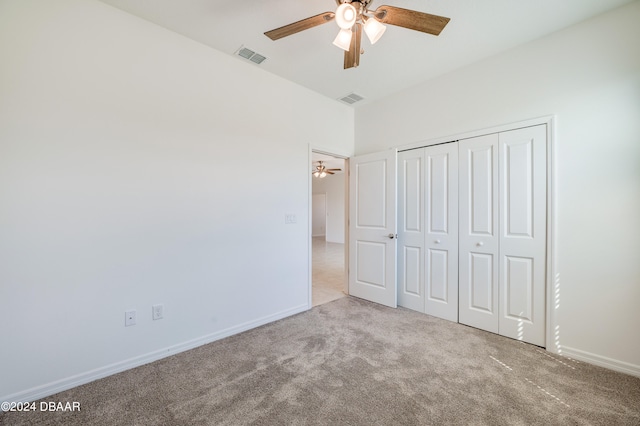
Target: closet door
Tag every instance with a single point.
(478, 229)
(411, 229)
(441, 242)
(523, 234)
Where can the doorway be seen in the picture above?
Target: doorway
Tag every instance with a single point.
(328, 228)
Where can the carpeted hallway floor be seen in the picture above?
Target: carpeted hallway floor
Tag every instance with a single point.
(351, 362)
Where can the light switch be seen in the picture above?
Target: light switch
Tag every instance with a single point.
(289, 218)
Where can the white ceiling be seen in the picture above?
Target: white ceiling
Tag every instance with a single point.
(402, 58)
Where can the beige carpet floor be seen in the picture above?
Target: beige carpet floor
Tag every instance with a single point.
(351, 362)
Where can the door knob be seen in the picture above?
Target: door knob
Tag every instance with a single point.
(437, 241)
(392, 236)
(480, 244)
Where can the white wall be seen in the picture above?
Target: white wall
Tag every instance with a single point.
(319, 215)
(131, 166)
(334, 187)
(589, 77)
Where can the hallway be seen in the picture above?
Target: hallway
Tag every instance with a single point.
(328, 273)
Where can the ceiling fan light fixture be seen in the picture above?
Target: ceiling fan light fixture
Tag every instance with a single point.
(323, 174)
(374, 30)
(343, 39)
(352, 15)
(346, 16)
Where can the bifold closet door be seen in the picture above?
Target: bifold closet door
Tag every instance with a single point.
(428, 230)
(523, 229)
(411, 181)
(441, 231)
(478, 228)
(503, 233)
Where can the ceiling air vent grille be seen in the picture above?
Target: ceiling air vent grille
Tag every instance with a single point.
(257, 58)
(250, 55)
(351, 98)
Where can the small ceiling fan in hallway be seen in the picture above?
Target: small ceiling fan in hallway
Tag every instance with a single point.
(354, 16)
(321, 170)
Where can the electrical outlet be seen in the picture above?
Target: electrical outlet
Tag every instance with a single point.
(129, 318)
(157, 311)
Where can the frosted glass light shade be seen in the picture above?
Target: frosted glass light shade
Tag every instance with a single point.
(343, 40)
(346, 16)
(374, 30)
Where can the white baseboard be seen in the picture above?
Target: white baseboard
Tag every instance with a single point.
(108, 370)
(602, 361)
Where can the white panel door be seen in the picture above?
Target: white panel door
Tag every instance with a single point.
(478, 228)
(411, 214)
(372, 227)
(441, 220)
(523, 233)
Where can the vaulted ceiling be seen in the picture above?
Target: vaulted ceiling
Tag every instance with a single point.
(402, 58)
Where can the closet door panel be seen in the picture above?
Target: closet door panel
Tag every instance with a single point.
(441, 242)
(411, 215)
(478, 227)
(438, 276)
(411, 271)
(480, 283)
(523, 233)
(518, 285)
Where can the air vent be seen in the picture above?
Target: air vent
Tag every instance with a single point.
(351, 98)
(250, 55)
(257, 58)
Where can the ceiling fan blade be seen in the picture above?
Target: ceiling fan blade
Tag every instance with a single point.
(412, 19)
(328, 172)
(333, 170)
(352, 57)
(302, 25)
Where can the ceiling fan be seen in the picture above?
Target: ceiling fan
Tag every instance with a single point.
(352, 16)
(321, 171)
